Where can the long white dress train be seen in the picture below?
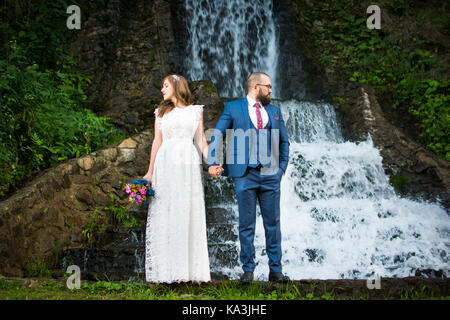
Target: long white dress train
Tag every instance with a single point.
(176, 242)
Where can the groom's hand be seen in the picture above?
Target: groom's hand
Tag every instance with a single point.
(215, 171)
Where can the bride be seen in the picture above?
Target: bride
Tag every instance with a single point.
(176, 243)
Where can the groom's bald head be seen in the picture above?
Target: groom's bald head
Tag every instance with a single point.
(255, 78)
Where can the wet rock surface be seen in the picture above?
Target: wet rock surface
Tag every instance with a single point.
(119, 254)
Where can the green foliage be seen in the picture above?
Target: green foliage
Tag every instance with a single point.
(8, 285)
(119, 215)
(52, 285)
(94, 225)
(43, 120)
(104, 286)
(400, 67)
(216, 290)
(40, 26)
(399, 181)
(414, 293)
(430, 104)
(37, 269)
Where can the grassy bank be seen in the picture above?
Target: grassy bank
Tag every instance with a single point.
(50, 289)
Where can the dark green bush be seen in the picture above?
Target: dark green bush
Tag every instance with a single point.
(42, 116)
(399, 66)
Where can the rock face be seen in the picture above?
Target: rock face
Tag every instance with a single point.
(49, 214)
(414, 170)
(290, 63)
(318, 84)
(127, 48)
(204, 92)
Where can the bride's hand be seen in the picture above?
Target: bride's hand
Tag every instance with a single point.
(148, 177)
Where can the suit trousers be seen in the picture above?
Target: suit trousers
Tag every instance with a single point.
(251, 188)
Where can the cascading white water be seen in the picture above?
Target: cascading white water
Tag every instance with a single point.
(228, 40)
(340, 217)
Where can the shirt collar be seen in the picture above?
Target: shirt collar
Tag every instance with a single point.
(252, 102)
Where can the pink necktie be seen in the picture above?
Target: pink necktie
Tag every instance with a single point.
(258, 116)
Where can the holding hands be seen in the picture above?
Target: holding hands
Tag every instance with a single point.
(215, 171)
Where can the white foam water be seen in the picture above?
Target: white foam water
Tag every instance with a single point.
(340, 217)
(229, 39)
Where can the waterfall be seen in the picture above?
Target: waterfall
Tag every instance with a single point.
(229, 39)
(340, 217)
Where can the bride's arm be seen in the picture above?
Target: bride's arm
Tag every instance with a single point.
(157, 141)
(200, 139)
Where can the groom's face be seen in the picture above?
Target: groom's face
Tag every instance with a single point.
(264, 91)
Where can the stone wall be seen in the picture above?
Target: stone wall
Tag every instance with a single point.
(56, 205)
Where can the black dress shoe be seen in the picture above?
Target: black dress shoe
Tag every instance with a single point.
(278, 277)
(247, 276)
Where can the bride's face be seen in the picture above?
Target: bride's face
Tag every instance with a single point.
(167, 90)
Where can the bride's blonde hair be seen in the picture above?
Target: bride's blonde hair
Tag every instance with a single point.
(181, 92)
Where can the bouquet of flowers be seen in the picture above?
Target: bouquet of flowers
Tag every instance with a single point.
(139, 191)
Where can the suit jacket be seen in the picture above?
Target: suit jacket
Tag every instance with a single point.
(234, 123)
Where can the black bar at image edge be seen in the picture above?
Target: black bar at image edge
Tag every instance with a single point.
(225, 309)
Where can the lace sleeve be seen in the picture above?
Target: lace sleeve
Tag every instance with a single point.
(158, 120)
(199, 112)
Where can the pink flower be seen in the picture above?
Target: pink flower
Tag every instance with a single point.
(133, 194)
(128, 190)
(142, 191)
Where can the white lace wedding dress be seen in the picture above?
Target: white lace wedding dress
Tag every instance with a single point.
(176, 243)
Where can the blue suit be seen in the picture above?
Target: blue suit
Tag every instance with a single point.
(256, 160)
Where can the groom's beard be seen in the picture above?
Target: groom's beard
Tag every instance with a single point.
(264, 99)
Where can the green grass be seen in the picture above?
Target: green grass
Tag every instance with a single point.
(26, 289)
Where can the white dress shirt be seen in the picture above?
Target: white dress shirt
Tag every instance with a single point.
(252, 112)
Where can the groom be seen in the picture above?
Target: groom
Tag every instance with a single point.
(256, 158)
